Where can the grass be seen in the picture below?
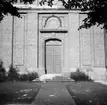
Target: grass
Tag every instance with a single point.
(88, 93)
(18, 92)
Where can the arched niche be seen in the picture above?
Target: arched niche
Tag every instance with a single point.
(53, 22)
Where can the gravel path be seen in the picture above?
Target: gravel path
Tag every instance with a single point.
(53, 93)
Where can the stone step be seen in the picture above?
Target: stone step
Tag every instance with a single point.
(54, 78)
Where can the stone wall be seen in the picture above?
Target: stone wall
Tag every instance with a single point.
(6, 40)
(85, 45)
(31, 41)
(92, 51)
(80, 48)
(25, 42)
(73, 40)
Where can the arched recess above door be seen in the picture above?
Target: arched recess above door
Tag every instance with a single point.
(53, 41)
(53, 22)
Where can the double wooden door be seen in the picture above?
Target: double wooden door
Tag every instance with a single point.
(53, 56)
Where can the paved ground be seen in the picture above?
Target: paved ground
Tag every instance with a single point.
(53, 93)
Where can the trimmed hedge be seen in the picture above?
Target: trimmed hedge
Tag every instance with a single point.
(80, 76)
(29, 76)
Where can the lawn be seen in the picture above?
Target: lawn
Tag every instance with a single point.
(18, 92)
(88, 93)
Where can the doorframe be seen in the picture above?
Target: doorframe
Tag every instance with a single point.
(58, 39)
(42, 38)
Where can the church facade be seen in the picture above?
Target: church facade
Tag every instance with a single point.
(47, 41)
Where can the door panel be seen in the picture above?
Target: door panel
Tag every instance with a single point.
(53, 58)
(49, 59)
(57, 59)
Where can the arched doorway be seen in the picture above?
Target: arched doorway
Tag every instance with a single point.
(53, 56)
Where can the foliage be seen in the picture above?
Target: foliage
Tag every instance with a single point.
(96, 10)
(6, 6)
(3, 75)
(24, 77)
(97, 13)
(33, 76)
(13, 74)
(80, 76)
(29, 76)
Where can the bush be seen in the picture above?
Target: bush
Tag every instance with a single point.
(3, 76)
(33, 76)
(13, 74)
(24, 77)
(80, 76)
(28, 77)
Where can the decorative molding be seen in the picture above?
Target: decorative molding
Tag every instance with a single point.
(53, 31)
(50, 17)
(53, 39)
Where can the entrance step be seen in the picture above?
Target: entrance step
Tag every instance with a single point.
(54, 78)
(59, 79)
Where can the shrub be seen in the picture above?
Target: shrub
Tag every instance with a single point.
(29, 76)
(80, 76)
(24, 77)
(3, 76)
(33, 76)
(13, 74)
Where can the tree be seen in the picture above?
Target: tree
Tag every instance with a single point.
(96, 9)
(6, 6)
